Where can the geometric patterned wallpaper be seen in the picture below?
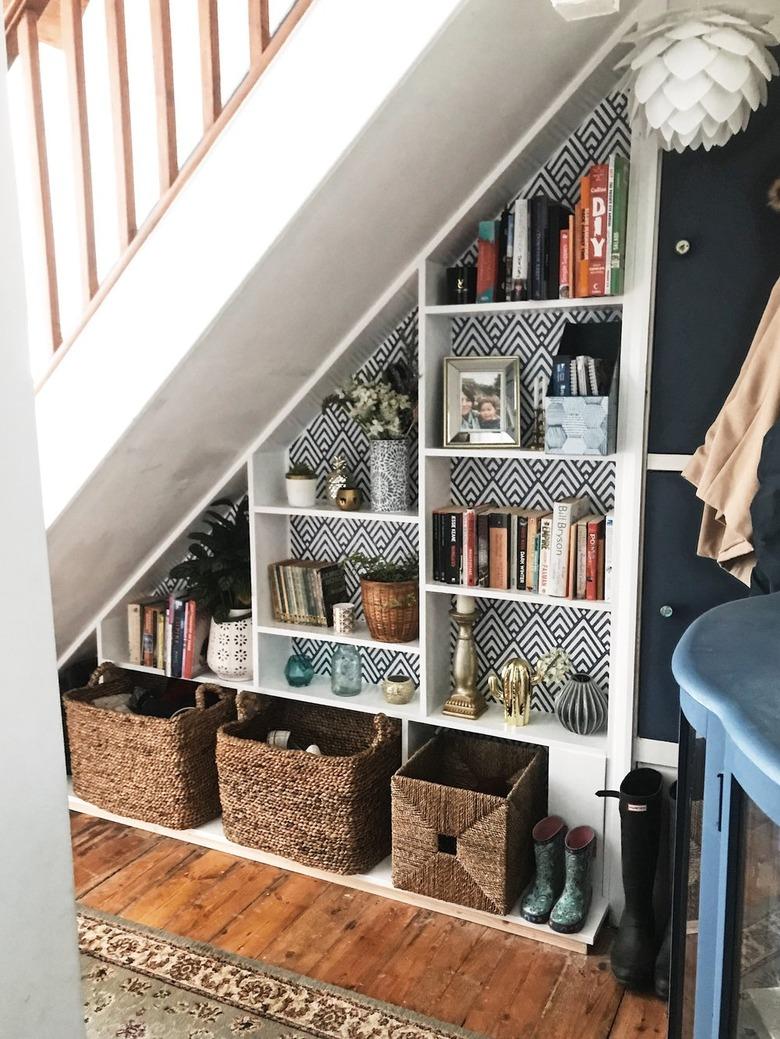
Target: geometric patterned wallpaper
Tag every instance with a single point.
(504, 629)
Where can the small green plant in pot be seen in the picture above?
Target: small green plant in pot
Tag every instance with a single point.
(217, 575)
(391, 596)
(301, 484)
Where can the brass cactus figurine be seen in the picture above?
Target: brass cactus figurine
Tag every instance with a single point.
(517, 680)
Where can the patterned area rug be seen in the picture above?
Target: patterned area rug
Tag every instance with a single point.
(143, 984)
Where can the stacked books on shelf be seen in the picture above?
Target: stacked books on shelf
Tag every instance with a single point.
(542, 249)
(169, 635)
(563, 551)
(304, 591)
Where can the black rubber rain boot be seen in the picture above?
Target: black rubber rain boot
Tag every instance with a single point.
(634, 948)
(663, 961)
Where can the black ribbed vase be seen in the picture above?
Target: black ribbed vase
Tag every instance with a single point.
(582, 706)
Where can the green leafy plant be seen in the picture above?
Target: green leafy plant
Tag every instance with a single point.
(377, 568)
(384, 408)
(217, 571)
(301, 470)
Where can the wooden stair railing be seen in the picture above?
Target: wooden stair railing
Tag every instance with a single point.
(27, 22)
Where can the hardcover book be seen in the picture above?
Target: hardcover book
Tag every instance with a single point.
(565, 512)
(487, 262)
(597, 246)
(520, 250)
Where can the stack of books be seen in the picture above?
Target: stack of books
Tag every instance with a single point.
(564, 551)
(541, 249)
(169, 635)
(304, 591)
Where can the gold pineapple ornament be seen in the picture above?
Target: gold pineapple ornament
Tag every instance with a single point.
(337, 478)
(514, 688)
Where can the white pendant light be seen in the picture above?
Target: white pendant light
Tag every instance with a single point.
(574, 10)
(694, 76)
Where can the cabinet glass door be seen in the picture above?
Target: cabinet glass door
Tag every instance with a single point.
(755, 969)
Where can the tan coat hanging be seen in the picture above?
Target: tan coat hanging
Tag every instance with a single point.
(724, 470)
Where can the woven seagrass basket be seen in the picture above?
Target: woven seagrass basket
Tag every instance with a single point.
(333, 811)
(391, 609)
(158, 770)
(463, 810)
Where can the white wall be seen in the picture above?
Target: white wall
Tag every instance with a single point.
(39, 975)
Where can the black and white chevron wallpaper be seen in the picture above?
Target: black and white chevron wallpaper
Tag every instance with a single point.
(504, 629)
(603, 132)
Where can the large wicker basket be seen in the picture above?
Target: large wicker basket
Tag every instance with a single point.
(158, 770)
(333, 811)
(392, 609)
(463, 810)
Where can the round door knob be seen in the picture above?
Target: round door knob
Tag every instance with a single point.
(666, 611)
(682, 247)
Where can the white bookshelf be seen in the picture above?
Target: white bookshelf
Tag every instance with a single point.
(578, 766)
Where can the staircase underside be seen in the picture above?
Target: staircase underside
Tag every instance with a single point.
(497, 73)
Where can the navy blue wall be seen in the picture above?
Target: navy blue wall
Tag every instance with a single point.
(708, 305)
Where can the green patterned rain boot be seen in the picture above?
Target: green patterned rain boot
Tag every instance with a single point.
(548, 836)
(571, 910)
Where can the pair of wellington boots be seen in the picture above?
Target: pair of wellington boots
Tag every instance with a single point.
(562, 887)
(636, 958)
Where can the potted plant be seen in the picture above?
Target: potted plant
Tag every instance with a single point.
(217, 575)
(301, 483)
(390, 594)
(385, 409)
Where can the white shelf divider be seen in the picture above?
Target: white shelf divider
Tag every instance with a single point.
(524, 307)
(323, 510)
(592, 605)
(378, 882)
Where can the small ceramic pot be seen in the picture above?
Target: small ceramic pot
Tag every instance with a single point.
(398, 689)
(348, 499)
(301, 491)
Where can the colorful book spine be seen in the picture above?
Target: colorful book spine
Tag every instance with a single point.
(189, 638)
(619, 222)
(564, 514)
(583, 252)
(134, 633)
(597, 267)
(570, 257)
(483, 549)
(545, 540)
(159, 648)
(594, 557)
(563, 265)
(522, 552)
(609, 549)
(147, 642)
(520, 251)
(499, 549)
(177, 638)
(610, 222)
(487, 262)
(580, 591)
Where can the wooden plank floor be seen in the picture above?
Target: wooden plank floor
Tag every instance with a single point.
(501, 986)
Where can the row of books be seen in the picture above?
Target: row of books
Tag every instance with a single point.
(580, 376)
(541, 249)
(564, 551)
(168, 634)
(304, 591)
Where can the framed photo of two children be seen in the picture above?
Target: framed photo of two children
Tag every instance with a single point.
(482, 401)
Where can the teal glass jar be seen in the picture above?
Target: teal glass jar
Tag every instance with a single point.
(299, 670)
(345, 672)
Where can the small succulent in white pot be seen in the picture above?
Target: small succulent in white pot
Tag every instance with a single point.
(301, 483)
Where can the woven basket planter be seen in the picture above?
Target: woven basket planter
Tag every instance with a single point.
(392, 609)
(333, 811)
(463, 810)
(157, 770)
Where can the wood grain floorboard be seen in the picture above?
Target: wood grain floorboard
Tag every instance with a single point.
(498, 985)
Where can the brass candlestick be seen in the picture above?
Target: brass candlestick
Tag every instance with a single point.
(465, 701)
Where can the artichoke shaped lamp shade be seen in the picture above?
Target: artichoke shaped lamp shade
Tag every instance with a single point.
(695, 76)
(574, 10)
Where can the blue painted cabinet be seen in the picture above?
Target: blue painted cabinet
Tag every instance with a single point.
(726, 914)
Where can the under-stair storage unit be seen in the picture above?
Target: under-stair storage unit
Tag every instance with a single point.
(599, 635)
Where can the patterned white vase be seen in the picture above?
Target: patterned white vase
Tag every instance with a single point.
(229, 645)
(582, 706)
(389, 475)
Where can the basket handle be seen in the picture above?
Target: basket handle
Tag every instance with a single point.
(246, 705)
(104, 670)
(210, 687)
(385, 729)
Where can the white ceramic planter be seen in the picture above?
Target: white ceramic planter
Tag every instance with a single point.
(301, 491)
(229, 647)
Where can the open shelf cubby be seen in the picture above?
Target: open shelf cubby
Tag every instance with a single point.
(599, 636)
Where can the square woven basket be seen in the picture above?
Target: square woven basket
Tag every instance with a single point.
(333, 811)
(157, 770)
(463, 810)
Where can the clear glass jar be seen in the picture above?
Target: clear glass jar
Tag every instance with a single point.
(345, 672)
